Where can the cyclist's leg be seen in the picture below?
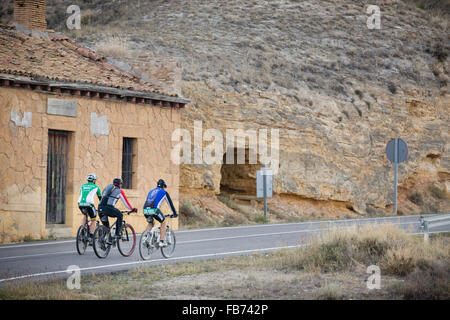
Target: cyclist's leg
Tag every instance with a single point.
(102, 213)
(115, 213)
(160, 217)
(149, 222)
(84, 212)
(93, 217)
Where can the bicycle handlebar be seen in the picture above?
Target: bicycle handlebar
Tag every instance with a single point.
(127, 211)
(168, 215)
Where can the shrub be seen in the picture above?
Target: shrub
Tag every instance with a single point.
(331, 256)
(115, 47)
(229, 203)
(437, 192)
(439, 52)
(393, 250)
(392, 87)
(261, 219)
(359, 93)
(416, 198)
(398, 262)
(190, 214)
(330, 292)
(341, 249)
(28, 238)
(426, 282)
(231, 220)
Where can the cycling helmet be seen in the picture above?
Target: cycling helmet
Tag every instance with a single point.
(91, 177)
(117, 182)
(161, 184)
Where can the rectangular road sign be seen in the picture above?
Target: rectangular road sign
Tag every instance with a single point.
(260, 174)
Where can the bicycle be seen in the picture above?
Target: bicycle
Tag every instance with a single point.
(103, 239)
(83, 238)
(149, 242)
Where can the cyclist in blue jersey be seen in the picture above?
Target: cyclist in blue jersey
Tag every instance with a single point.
(155, 199)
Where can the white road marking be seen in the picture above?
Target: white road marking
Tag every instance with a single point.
(237, 227)
(14, 246)
(204, 240)
(149, 261)
(37, 255)
(272, 234)
(186, 257)
(307, 222)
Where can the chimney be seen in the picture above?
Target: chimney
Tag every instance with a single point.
(30, 14)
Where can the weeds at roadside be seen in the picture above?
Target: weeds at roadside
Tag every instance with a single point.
(437, 192)
(261, 219)
(329, 292)
(426, 282)
(325, 269)
(28, 238)
(416, 198)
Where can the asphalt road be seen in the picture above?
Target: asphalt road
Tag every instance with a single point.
(50, 259)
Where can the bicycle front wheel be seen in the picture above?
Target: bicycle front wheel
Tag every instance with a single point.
(146, 246)
(167, 251)
(101, 248)
(82, 239)
(127, 242)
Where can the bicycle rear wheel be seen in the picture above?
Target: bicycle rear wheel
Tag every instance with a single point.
(82, 239)
(171, 240)
(101, 248)
(146, 246)
(127, 242)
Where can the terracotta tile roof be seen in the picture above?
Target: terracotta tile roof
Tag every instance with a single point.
(60, 59)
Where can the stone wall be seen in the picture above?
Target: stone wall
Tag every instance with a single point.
(96, 146)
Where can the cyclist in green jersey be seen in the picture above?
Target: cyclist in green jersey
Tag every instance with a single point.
(86, 200)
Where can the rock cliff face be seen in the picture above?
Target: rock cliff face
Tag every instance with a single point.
(332, 150)
(336, 90)
(338, 93)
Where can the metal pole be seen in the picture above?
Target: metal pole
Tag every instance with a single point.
(265, 193)
(395, 174)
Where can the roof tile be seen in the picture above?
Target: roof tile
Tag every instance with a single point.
(62, 59)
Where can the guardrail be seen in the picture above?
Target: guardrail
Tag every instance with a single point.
(432, 222)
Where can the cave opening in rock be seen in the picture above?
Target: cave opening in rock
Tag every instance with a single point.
(239, 179)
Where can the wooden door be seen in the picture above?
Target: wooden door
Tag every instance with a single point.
(57, 168)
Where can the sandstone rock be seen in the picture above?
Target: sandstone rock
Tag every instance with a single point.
(319, 159)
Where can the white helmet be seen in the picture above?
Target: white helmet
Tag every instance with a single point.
(91, 177)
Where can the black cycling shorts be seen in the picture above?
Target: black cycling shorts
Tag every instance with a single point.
(89, 211)
(158, 216)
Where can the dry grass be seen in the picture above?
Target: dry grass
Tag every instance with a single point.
(331, 267)
(329, 292)
(392, 249)
(29, 290)
(114, 46)
(427, 282)
(193, 216)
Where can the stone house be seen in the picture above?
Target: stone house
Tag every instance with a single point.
(66, 112)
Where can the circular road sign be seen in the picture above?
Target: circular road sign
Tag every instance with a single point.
(402, 150)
